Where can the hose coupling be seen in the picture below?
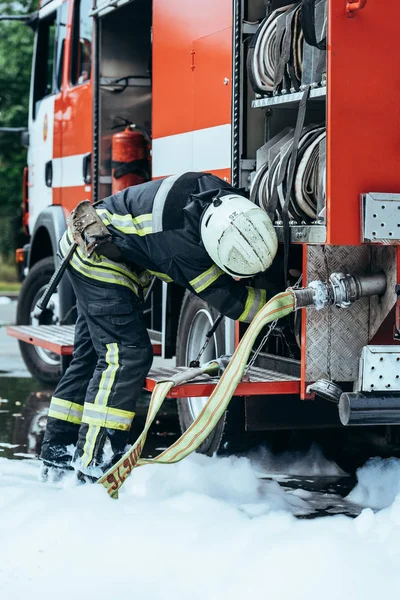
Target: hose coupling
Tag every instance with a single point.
(342, 290)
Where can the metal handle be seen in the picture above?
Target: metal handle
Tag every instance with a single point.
(196, 362)
(55, 279)
(48, 173)
(353, 6)
(86, 168)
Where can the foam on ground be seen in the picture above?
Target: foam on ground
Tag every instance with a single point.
(203, 528)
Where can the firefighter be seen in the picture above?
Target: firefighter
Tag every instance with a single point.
(193, 229)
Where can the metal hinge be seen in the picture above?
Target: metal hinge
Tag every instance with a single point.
(246, 166)
(249, 28)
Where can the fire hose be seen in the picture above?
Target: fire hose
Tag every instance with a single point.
(341, 290)
(288, 50)
(278, 307)
(307, 195)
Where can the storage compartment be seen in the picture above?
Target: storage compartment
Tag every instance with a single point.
(124, 79)
(277, 66)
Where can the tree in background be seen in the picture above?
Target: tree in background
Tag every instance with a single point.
(16, 44)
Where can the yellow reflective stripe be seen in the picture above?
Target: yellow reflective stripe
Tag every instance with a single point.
(255, 301)
(263, 300)
(141, 225)
(66, 404)
(248, 305)
(102, 276)
(101, 399)
(108, 376)
(106, 275)
(204, 280)
(96, 261)
(96, 423)
(65, 410)
(162, 276)
(108, 410)
(106, 416)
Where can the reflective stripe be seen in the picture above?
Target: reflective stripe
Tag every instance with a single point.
(255, 300)
(204, 280)
(105, 270)
(161, 276)
(141, 225)
(104, 263)
(106, 416)
(65, 410)
(159, 201)
(101, 399)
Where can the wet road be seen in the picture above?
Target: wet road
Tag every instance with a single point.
(11, 363)
(24, 403)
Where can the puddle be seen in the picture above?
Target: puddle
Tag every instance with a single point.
(23, 417)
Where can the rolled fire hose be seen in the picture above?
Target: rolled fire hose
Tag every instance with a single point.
(306, 184)
(278, 307)
(261, 62)
(308, 193)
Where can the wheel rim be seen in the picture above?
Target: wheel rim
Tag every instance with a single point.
(201, 323)
(51, 316)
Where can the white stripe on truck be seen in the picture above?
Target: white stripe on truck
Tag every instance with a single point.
(201, 150)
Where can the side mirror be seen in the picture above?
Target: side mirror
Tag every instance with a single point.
(31, 20)
(25, 138)
(24, 135)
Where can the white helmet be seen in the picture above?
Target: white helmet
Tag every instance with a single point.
(239, 236)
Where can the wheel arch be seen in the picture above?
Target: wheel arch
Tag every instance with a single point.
(49, 227)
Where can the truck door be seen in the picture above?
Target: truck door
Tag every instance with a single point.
(44, 127)
(76, 108)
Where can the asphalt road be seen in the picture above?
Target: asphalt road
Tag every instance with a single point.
(11, 363)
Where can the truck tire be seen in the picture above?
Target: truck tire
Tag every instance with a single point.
(42, 364)
(196, 318)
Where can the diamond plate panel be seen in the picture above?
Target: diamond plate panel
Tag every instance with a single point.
(254, 375)
(350, 327)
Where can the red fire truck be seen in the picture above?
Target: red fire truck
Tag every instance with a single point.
(243, 89)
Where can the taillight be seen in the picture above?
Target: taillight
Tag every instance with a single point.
(25, 202)
(19, 256)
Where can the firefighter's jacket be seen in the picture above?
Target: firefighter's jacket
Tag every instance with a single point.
(156, 227)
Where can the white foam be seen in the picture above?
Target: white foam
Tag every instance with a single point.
(378, 483)
(300, 463)
(203, 528)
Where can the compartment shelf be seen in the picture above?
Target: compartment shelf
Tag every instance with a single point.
(306, 234)
(287, 100)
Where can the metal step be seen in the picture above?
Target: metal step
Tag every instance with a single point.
(60, 338)
(256, 382)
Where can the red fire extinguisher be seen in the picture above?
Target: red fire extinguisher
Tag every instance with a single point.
(130, 158)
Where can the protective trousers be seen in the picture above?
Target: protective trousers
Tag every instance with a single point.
(95, 399)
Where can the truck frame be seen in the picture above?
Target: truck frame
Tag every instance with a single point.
(180, 71)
